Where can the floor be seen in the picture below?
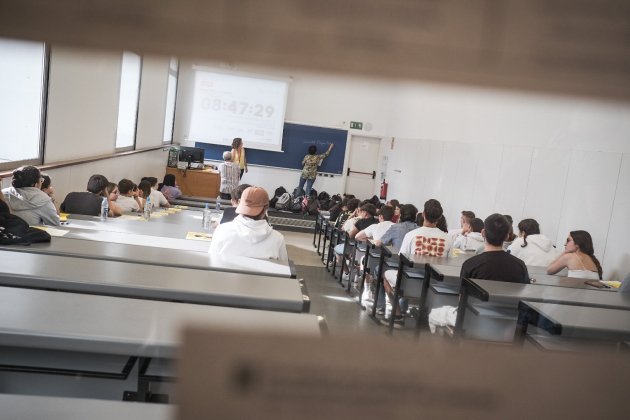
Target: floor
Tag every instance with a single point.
(328, 298)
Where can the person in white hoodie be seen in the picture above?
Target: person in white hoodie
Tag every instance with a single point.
(471, 239)
(531, 246)
(249, 234)
(26, 199)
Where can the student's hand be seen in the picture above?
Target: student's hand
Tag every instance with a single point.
(246, 170)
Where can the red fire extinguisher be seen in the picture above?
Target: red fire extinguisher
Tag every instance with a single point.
(383, 190)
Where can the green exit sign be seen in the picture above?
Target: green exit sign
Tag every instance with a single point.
(356, 125)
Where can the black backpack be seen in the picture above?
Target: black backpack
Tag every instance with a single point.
(279, 191)
(15, 231)
(296, 204)
(323, 196)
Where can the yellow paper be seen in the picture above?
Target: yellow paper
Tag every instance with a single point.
(199, 236)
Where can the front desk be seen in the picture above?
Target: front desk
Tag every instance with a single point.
(197, 182)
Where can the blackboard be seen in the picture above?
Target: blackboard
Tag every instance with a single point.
(296, 138)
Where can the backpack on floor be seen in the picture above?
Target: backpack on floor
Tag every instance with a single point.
(284, 202)
(298, 192)
(310, 206)
(296, 204)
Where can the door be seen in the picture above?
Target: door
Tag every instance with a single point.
(362, 166)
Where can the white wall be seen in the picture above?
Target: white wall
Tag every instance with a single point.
(560, 161)
(82, 117)
(83, 88)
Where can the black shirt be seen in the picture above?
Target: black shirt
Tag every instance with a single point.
(495, 265)
(82, 203)
(363, 223)
(229, 213)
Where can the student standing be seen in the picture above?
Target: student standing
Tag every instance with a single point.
(26, 199)
(230, 175)
(238, 155)
(309, 171)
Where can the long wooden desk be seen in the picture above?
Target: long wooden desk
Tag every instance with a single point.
(197, 182)
(510, 294)
(33, 407)
(574, 321)
(114, 278)
(70, 246)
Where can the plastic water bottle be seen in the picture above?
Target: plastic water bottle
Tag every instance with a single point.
(217, 206)
(104, 209)
(147, 209)
(206, 222)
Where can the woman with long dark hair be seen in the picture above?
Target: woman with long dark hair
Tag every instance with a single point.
(578, 257)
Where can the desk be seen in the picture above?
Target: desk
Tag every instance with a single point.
(197, 182)
(113, 325)
(68, 246)
(170, 226)
(114, 278)
(33, 407)
(101, 326)
(573, 321)
(512, 293)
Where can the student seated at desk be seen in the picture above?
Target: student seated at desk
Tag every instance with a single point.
(426, 240)
(112, 196)
(531, 246)
(229, 213)
(493, 264)
(27, 200)
(471, 239)
(48, 189)
(126, 200)
(89, 202)
(157, 198)
(364, 218)
(377, 230)
(249, 234)
(511, 235)
(578, 257)
(466, 217)
(168, 190)
(144, 192)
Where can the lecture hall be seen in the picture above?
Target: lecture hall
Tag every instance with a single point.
(294, 209)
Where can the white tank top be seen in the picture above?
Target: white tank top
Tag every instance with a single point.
(583, 274)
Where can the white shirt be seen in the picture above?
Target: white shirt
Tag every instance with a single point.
(158, 199)
(377, 230)
(426, 241)
(128, 203)
(248, 238)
